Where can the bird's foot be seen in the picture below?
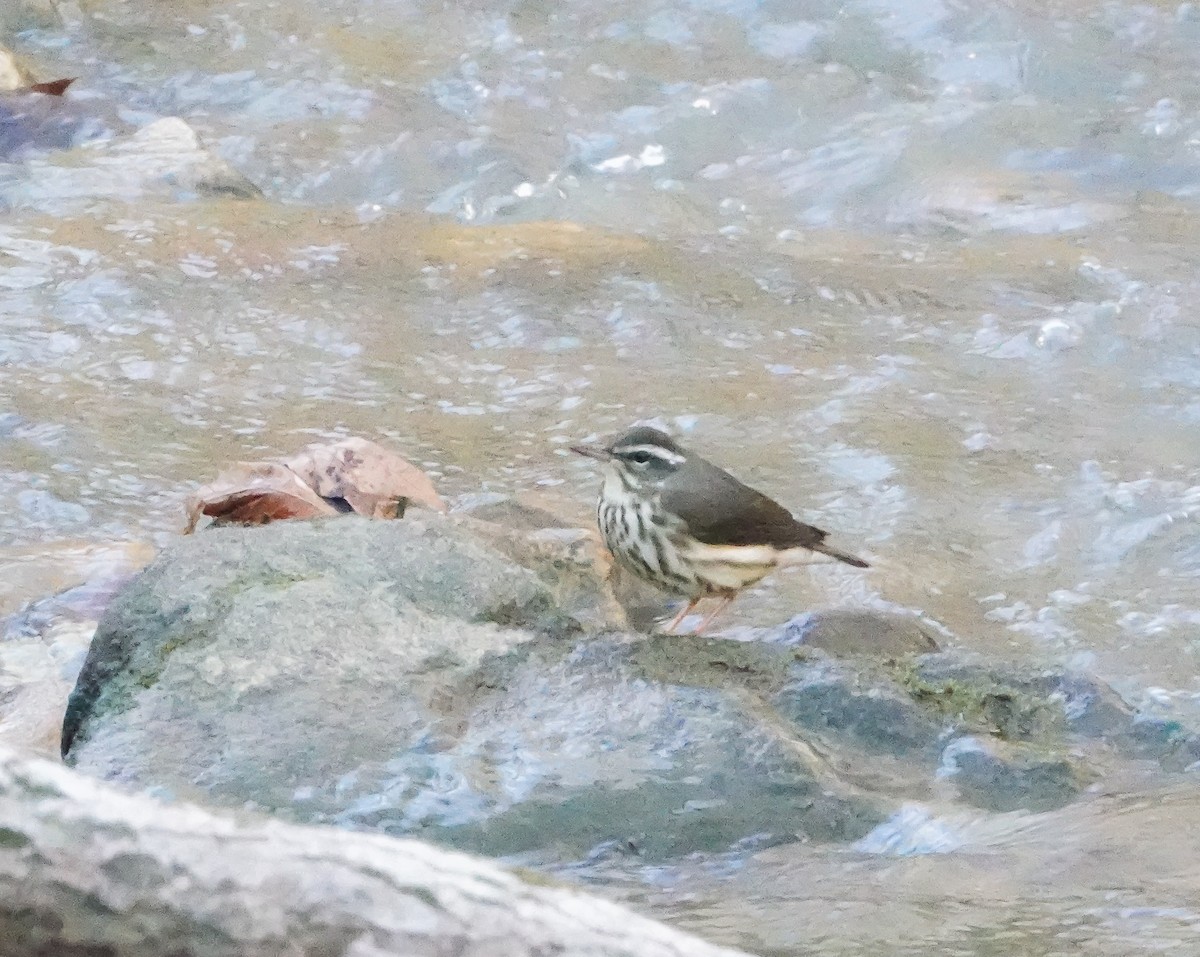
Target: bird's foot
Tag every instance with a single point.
(678, 619)
(721, 605)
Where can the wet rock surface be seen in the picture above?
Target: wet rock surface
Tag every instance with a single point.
(1010, 776)
(32, 122)
(311, 611)
(845, 632)
(872, 711)
(86, 869)
(477, 685)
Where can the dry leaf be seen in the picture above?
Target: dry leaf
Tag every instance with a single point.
(50, 88)
(351, 475)
(252, 493)
(372, 480)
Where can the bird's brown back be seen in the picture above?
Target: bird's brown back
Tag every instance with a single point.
(720, 510)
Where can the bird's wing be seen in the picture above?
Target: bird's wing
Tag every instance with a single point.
(720, 510)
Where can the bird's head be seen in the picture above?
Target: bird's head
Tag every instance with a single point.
(641, 457)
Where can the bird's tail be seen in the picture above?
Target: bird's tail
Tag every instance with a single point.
(839, 555)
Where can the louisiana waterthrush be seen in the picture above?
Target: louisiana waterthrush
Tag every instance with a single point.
(690, 528)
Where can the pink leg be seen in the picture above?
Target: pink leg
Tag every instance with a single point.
(678, 619)
(721, 606)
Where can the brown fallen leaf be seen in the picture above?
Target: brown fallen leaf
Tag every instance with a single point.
(369, 478)
(50, 87)
(325, 479)
(252, 493)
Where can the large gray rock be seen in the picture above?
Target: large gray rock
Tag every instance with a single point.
(411, 677)
(344, 629)
(85, 869)
(475, 684)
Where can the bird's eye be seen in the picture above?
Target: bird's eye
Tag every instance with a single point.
(641, 457)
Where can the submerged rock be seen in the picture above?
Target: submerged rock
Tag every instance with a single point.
(87, 869)
(163, 159)
(33, 122)
(871, 711)
(1010, 776)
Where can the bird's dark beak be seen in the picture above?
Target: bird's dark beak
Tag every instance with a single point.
(593, 452)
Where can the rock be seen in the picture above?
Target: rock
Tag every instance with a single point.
(1016, 701)
(1163, 739)
(87, 869)
(410, 677)
(628, 602)
(450, 678)
(1038, 702)
(571, 561)
(1011, 776)
(163, 159)
(169, 151)
(343, 607)
(855, 632)
(565, 756)
(506, 511)
(708, 662)
(870, 711)
(34, 122)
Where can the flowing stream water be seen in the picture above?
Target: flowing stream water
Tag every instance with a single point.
(924, 271)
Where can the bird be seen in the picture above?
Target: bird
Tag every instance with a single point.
(690, 528)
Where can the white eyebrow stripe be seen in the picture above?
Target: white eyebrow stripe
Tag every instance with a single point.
(655, 450)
